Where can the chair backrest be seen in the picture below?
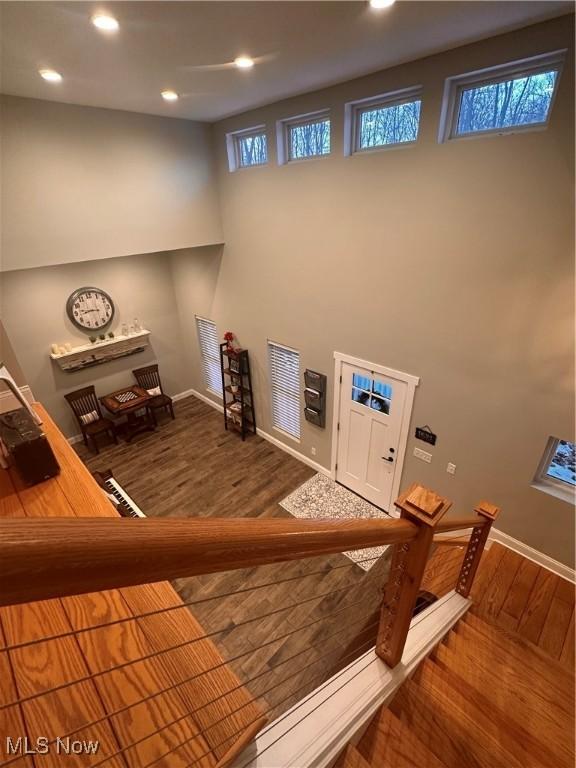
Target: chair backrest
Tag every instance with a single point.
(83, 401)
(148, 377)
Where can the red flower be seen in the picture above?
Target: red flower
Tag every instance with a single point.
(228, 336)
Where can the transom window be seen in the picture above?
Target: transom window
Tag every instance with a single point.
(383, 121)
(557, 471)
(210, 354)
(304, 137)
(247, 148)
(285, 386)
(371, 393)
(508, 98)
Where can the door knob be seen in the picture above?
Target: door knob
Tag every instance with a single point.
(387, 458)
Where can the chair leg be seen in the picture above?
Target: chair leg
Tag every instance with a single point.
(95, 444)
(172, 411)
(113, 433)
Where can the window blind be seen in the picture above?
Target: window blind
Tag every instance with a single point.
(210, 353)
(285, 383)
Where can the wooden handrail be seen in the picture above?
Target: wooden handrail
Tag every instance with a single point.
(55, 557)
(459, 524)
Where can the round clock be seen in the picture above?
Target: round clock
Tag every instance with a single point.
(90, 309)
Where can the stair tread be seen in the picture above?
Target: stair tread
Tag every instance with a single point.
(351, 758)
(526, 717)
(492, 735)
(391, 743)
(521, 653)
(507, 685)
(439, 731)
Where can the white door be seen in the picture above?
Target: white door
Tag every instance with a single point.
(371, 411)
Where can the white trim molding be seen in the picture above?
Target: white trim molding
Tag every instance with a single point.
(316, 729)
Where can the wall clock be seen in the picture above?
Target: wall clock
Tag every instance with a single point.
(90, 309)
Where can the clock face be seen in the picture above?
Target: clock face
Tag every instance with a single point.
(90, 309)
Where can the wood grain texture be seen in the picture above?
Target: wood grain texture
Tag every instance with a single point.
(351, 758)
(43, 559)
(145, 731)
(389, 742)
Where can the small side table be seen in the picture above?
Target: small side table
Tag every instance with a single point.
(130, 402)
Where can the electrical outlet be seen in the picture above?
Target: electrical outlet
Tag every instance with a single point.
(424, 455)
(451, 468)
(313, 451)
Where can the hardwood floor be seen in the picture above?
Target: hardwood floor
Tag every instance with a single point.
(518, 595)
(318, 614)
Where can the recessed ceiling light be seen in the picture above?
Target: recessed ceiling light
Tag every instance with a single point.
(104, 22)
(244, 62)
(381, 3)
(51, 75)
(169, 95)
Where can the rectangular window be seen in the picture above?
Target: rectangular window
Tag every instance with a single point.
(247, 148)
(383, 121)
(508, 98)
(285, 385)
(557, 471)
(210, 354)
(304, 137)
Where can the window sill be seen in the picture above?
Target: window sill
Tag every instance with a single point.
(564, 494)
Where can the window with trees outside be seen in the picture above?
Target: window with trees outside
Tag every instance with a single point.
(251, 149)
(285, 388)
(557, 470)
(383, 121)
(509, 98)
(210, 354)
(309, 138)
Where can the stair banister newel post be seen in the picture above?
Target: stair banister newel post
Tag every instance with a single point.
(488, 512)
(424, 508)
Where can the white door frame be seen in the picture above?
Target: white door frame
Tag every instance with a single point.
(411, 382)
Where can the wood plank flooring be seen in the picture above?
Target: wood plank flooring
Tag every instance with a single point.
(518, 595)
(318, 613)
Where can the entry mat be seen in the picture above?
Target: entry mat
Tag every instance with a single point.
(320, 498)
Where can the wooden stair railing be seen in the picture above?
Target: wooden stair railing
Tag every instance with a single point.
(57, 557)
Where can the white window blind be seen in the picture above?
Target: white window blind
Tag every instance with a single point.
(210, 352)
(285, 382)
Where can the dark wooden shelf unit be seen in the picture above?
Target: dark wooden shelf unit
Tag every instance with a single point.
(238, 405)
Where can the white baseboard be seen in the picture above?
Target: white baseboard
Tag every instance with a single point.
(271, 439)
(564, 571)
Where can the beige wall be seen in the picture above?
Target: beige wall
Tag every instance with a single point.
(8, 358)
(80, 183)
(34, 315)
(453, 262)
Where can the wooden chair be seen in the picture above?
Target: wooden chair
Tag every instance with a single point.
(149, 379)
(86, 408)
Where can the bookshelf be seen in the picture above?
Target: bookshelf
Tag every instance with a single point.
(237, 397)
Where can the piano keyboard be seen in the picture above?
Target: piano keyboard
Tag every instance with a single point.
(126, 506)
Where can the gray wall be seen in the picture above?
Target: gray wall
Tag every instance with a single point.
(34, 316)
(80, 183)
(453, 262)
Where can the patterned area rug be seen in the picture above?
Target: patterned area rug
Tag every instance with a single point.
(321, 498)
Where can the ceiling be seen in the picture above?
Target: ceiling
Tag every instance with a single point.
(190, 46)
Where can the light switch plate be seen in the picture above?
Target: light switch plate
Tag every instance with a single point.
(451, 468)
(424, 455)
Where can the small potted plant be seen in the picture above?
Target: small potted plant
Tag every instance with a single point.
(229, 339)
(92, 339)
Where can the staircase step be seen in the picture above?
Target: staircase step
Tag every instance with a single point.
(512, 697)
(509, 682)
(522, 655)
(388, 742)
(437, 728)
(351, 758)
(489, 733)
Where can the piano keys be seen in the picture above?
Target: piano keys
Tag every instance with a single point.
(122, 502)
